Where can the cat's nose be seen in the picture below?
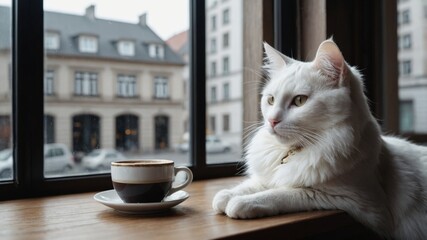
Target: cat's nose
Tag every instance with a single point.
(274, 122)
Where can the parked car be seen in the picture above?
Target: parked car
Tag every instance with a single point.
(57, 158)
(6, 160)
(213, 145)
(100, 159)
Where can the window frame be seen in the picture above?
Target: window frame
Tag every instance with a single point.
(161, 87)
(126, 86)
(54, 40)
(49, 82)
(88, 82)
(88, 43)
(126, 48)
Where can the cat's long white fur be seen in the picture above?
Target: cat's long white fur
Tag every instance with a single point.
(345, 163)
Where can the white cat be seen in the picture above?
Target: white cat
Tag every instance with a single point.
(320, 148)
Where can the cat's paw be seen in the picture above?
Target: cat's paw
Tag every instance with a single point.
(221, 199)
(244, 207)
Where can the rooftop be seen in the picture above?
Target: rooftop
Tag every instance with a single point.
(107, 31)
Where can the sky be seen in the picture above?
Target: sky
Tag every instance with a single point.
(165, 17)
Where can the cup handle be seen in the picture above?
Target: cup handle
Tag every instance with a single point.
(184, 184)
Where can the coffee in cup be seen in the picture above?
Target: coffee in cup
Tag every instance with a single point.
(146, 181)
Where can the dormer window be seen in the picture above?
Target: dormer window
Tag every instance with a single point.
(156, 50)
(51, 40)
(126, 48)
(88, 44)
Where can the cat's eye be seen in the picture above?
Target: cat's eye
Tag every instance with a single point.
(300, 100)
(270, 100)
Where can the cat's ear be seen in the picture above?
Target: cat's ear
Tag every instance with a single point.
(276, 60)
(330, 61)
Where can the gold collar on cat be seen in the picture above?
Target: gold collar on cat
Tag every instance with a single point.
(292, 151)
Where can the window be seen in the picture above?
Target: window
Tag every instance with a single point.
(126, 85)
(406, 116)
(48, 82)
(405, 17)
(226, 91)
(213, 95)
(225, 65)
(156, 51)
(49, 129)
(86, 84)
(225, 40)
(213, 69)
(80, 125)
(406, 41)
(226, 122)
(212, 121)
(405, 68)
(88, 44)
(213, 45)
(213, 23)
(6, 141)
(126, 48)
(51, 40)
(226, 16)
(161, 88)
(412, 82)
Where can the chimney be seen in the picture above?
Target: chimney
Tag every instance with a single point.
(90, 12)
(143, 20)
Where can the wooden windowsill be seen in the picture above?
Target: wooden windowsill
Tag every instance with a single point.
(78, 216)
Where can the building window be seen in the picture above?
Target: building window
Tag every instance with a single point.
(226, 122)
(406, 41)
(88, 44)
(161, 88)
(213, 23)
(406, 116)
(156, 51)
(212, 121)
(126, 85)
(126, 48)
(226, 16)
(49, 129)
(213, 69)
(51, 41)
(226, 65)
(225, 40)
(405, 68)
(86, 84)
(48, 82)
(405, 17)
(213, 45)
(213, 94)
(226, 91)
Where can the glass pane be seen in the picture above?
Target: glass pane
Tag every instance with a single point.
(224, 61)
(6, 157)
(412, 52)
(115, 83)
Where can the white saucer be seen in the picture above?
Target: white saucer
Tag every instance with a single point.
(111, 199)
